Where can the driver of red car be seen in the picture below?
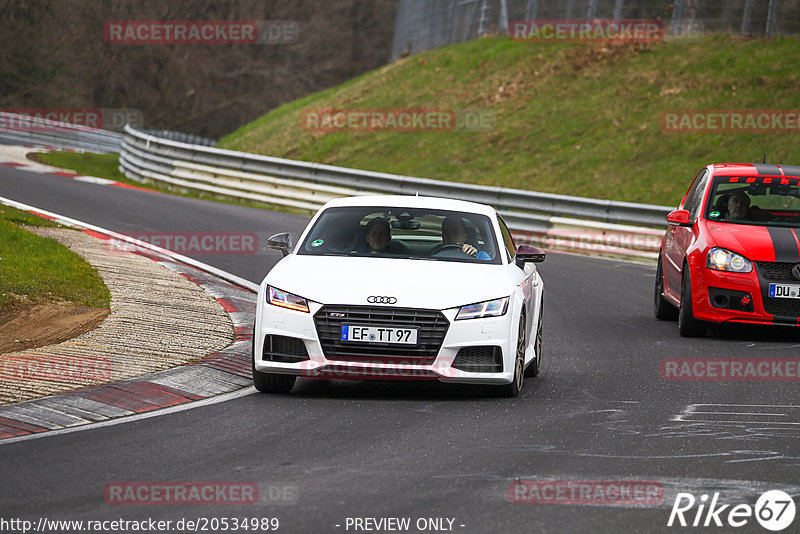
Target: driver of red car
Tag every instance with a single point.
(739, 206)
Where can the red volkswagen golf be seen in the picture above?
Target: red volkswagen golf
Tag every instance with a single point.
(732, 250)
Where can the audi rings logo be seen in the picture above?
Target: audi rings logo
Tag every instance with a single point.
(796, 271)
(381, 300)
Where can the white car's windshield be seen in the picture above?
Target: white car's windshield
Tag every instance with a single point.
(759, 200)
(402, 233)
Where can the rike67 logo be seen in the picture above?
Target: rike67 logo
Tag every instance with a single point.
(774, 510)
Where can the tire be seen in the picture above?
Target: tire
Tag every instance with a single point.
(513, 389)
(269, 382)
(688, 326)
(663, 310)
(533, 368)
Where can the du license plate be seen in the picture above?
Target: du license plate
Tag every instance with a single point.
(784, 291)
(379, 334)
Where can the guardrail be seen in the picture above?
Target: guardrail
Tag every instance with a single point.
(182, 137)
(40, 131)
(601, 227)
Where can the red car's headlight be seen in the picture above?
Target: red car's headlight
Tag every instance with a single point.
(721, 259)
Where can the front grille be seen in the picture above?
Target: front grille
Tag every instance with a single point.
(782, 307)
(432, 327)
(284, 349)
(479, 359)
(728, 299)
(776, 272)
(770, 271)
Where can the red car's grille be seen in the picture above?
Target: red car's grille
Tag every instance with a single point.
(776, 272)
(782, 307)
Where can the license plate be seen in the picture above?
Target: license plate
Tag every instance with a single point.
(379, 334)
(784, 291)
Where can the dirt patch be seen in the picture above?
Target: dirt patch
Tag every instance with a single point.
(27, 326)
(35, 156)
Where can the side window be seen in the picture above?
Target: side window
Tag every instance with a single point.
(508, 241)
(695, 195)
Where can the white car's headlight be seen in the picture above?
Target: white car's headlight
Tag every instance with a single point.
(276, 297)
(725, 260)
(489, 308)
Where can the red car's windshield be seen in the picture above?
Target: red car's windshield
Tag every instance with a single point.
(757, 200)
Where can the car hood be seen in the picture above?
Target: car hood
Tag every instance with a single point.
(758, 243)
(415, 283)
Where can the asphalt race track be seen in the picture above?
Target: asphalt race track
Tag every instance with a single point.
(600, 411)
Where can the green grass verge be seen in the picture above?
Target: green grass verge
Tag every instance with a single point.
(86, 163)
(98, 165)
(576, 119)
(36, 269)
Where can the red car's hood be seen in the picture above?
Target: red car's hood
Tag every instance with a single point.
(758, 243)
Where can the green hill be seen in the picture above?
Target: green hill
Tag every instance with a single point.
(578, 119)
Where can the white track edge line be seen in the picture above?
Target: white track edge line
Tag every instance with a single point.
(248, 390)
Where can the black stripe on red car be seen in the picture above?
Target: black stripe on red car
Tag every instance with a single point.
(784, 242)
(767, 169)
(791, 170)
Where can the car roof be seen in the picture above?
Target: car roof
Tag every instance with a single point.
(409, 201)
(754, 169)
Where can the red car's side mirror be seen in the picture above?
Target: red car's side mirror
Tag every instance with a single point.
(679, 218)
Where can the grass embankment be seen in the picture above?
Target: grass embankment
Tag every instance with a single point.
(34, 269)
(576, 119)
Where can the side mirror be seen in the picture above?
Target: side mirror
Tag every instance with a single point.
(679, 218)
(282, 242)
(526, 253)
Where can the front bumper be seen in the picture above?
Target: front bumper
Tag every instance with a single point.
(719, 296)
(488, 332)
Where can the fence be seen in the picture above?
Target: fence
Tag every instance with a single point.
(424, 24)
(182, 137)
(561, 222)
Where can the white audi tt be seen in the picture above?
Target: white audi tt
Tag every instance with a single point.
(400, 287)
